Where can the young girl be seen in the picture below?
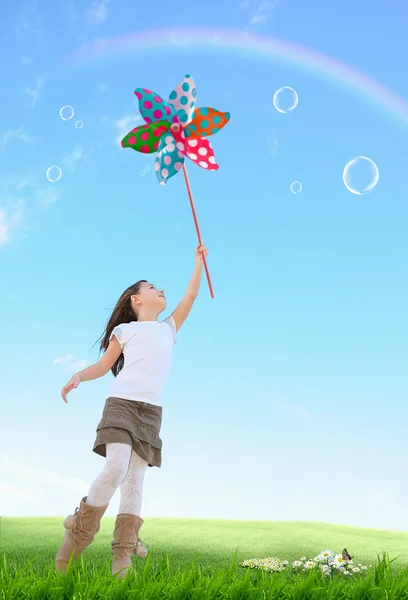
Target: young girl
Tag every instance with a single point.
(138, 351)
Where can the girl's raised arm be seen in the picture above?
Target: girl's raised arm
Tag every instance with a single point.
(183, 309)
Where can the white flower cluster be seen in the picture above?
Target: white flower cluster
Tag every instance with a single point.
(328, 562)
(266, 564)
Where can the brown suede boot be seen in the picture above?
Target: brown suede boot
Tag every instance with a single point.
(81, 528)
(125, 543)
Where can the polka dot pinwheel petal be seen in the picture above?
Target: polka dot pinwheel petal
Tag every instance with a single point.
(206, 121)
(183, 99)
(169, 159)
(146, 138)
(153, 108)
(198, 150)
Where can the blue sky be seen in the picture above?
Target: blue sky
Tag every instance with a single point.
(287, 397)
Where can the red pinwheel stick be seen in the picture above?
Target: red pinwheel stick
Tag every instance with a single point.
(190, 195)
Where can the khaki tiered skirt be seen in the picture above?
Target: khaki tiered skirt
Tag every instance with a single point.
(134, 423)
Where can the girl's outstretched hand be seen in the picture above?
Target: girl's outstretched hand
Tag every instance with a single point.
(72, 383)
(199, 253)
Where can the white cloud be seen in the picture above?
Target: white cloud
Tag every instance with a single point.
(103, 87)
(22, 183)
(29, 27)
(28, 394)
(29, 21)
(259, 12)
(257, 18)
(273, 145)
(64, 359)
(98, 11)
(4, 229)
(35, 92)
(29, 189)
(71, 160)
(17, 492)
(18, 191)
(10, 221)
(46, 196)
(124, 125)
(26, 60)
(70, 364)
(26, 473)
(16, 134)
(79, 365)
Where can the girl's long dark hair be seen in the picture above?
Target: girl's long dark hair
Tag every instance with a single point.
(122, 313)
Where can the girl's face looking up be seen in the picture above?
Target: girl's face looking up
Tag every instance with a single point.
(149, 297)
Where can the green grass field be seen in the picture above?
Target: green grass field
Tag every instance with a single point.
(199, 559)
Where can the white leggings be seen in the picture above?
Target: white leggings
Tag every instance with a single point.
(123, 468)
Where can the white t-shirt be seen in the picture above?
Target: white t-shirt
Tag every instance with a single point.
(147, 350)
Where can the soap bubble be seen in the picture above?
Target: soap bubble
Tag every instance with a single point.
(296, 187)
(360, 175)
(54, 173)
(66, 112)
(79, 124)
(285, 99)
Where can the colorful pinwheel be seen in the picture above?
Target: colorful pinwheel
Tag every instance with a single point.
(175, 130)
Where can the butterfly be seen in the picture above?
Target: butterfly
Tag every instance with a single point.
(346, 555)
